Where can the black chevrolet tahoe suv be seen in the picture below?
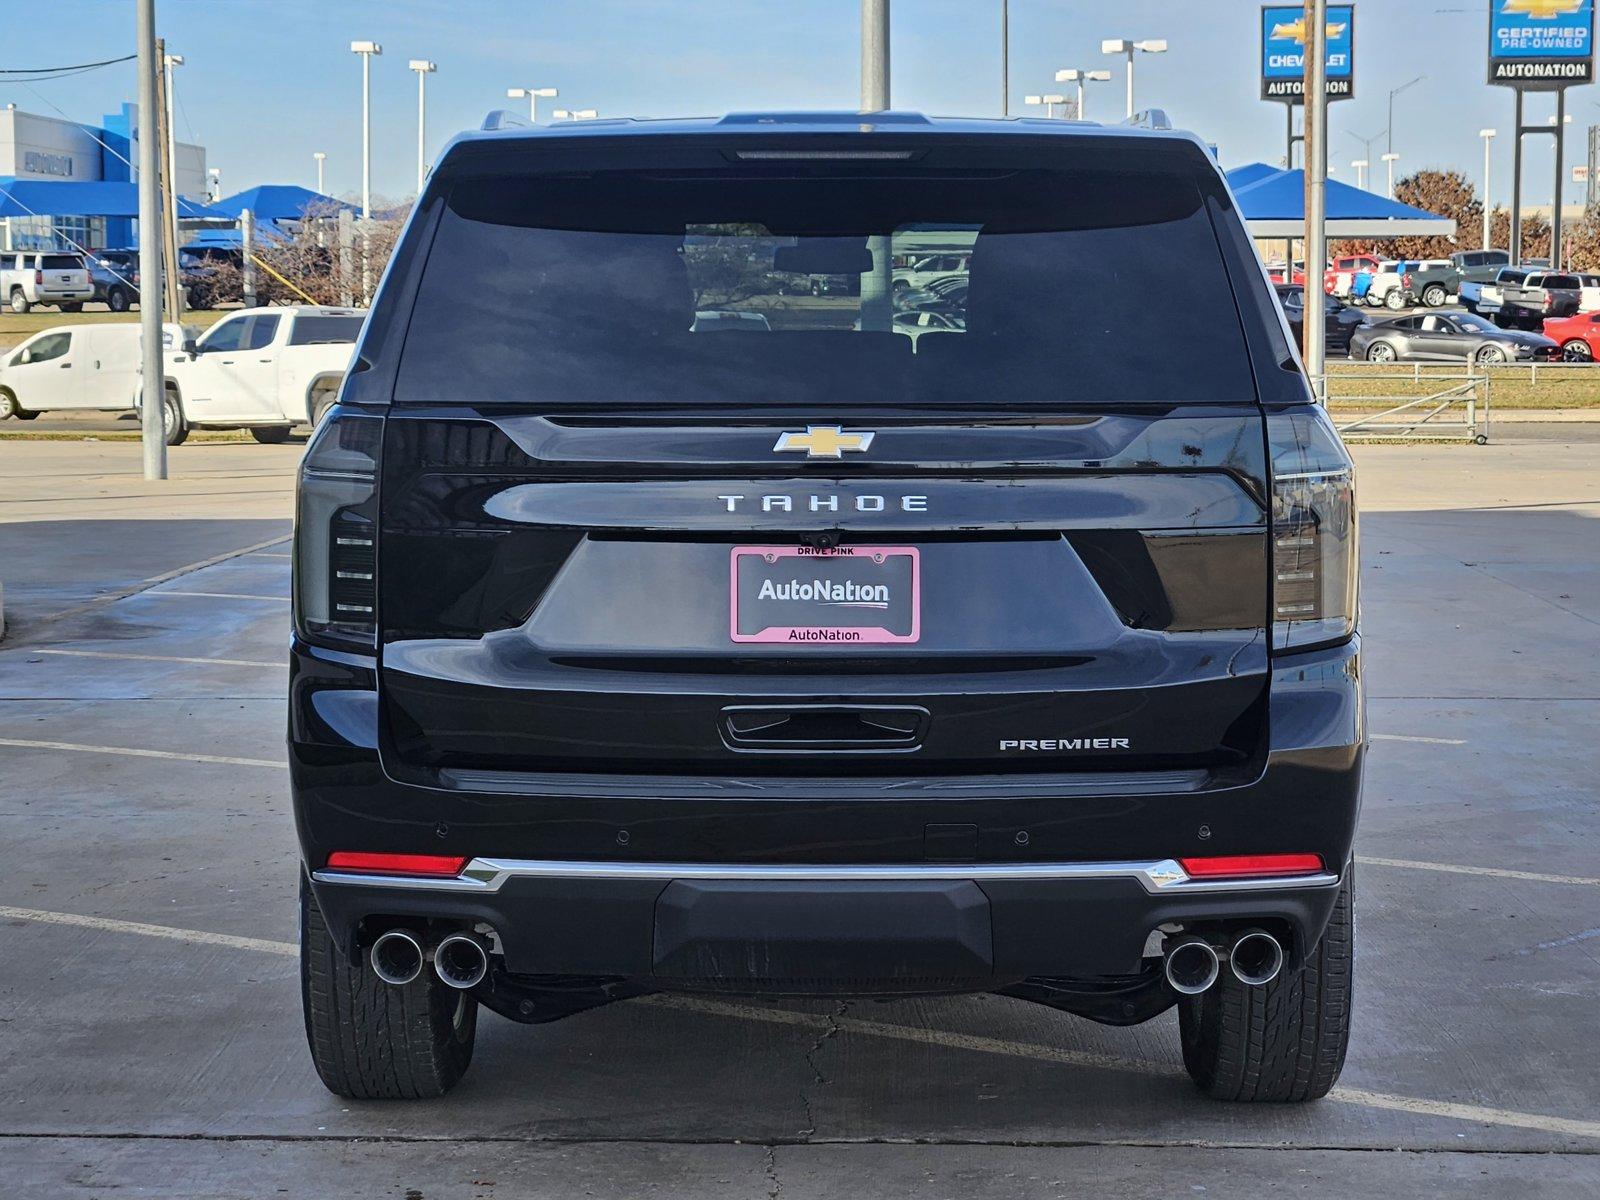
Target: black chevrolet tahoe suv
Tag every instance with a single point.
(828, 656)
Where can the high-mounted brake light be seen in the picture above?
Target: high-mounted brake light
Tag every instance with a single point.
(395, 864)
(1251, 866)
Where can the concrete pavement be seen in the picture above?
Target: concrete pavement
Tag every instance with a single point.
(151, 1015)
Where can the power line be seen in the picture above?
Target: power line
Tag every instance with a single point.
(71, 67)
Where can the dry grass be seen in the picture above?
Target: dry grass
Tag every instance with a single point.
(15, 329)
(1356, 385)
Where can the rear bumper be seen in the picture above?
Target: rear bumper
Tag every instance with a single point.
(668, 886)
(887, 929)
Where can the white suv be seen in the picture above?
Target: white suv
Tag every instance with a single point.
(41, 277)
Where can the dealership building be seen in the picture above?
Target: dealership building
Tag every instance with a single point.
(65, 165)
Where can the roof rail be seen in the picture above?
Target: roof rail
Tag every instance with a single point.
(1150, 118)
(501, 118)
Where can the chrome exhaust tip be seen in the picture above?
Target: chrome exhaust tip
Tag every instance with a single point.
(1256, 957)
(397, 957)
(461, 960)
(1192, 966)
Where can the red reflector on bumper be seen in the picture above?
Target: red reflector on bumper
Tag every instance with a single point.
(395, 864)
(1244, 866)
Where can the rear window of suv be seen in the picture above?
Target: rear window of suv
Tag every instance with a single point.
(588, 288)
(60, 262)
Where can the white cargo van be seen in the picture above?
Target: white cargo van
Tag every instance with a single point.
(93, 367)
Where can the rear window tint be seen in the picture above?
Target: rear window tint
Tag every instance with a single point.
(61, 262)
(312, 330)
(588, 290)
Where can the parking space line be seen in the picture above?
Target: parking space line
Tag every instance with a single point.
(1403, 737)
(38, 744)
(112, 925)
(1495, 872)
(218, 595)
(1451, 1110)
(172, 658)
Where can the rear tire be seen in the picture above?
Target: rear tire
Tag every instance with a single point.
(1381, 352)
(270, 435)
(1284, 1042)
(172, 422)
(1395, 300)
(117, 300)
(19, 302)
(371, 1040)
(1434, 295)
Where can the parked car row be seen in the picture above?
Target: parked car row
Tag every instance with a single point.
(1402, 283)
(264, 370)
(67, 281)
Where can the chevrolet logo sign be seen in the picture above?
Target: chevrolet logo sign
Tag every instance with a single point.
(822, 441)
(1295, 31)
(1541, 10)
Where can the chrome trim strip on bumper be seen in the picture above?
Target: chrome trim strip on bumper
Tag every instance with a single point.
(1163, 877)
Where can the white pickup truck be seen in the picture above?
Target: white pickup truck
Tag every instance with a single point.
(263, 369)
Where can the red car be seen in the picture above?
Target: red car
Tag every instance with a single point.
(1578, 336)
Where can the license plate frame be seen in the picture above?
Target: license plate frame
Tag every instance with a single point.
(896, 567)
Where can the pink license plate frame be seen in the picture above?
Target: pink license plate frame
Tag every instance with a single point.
(818, 635)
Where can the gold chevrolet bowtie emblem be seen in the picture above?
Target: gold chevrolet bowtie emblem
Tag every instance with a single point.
(1296, 31)
(1542, 10)
(822, 441)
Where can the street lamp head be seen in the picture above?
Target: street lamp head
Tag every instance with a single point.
(544, 93)
(318, 155)
(1070, 75)
(1486, 133)
(1102, 76)
(1391, 157)
(1055, 99)
(1033, 99)
(1116, 46)
(365, 48)
(423, 66)
(1359, 163)
(1152, 46)
(173, 60)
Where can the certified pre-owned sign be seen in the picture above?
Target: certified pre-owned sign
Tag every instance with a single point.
(1283, 52)
(1541, 45)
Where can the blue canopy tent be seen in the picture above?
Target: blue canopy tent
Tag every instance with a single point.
(1273, 203)
(278, 202)
(88, 198)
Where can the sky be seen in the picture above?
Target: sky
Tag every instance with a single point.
(268, 82)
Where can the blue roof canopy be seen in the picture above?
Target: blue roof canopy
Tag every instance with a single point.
(277, 202)
(90, 198)
(1273, 203)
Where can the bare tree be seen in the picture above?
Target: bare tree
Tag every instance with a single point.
(302, 262)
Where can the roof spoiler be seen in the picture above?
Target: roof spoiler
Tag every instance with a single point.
(501, 118)
(1150, 118)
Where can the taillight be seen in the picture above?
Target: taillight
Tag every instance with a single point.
(38, 276)
(1251, 866)
(1314, 546)
(335, 535)
(397, 864)
(1405, 281)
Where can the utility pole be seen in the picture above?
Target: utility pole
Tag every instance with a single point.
(1005, 58)
(876, 313)
(153, 393)
(171, 285)
(1313, 325)
(168, 104)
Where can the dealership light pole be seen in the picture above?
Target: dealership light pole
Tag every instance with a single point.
(1391, 158)
(1488, 138)
(321, 159)
(1080, 76)
(423, 67)
(153, 391)
(367, 50)
(533, 95)
(1125, 46)
(1393, 92)
(1049, 102)
(1361, 165)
